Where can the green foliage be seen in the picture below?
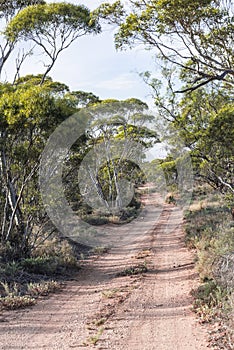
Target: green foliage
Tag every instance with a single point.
(23, 281)
(61, 252)
(12, 298)
(118, 128)
(170, 199)
(110, 13)
(211, 301)
(208, 230)
(52, 27)
(95, 338)
(202, 30)
(202, 222)
(40, 20)
(206, 125)
(83, 99)
(8, 9)
(168, 165)
(29, 114)
(40, 265)
(202, 121)
(95, 219)
(11, 269)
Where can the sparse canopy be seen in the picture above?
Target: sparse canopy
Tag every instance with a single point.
(195, 36)
(53, 27)
(66, 20)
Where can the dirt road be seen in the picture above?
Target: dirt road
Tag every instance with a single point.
(108, 307)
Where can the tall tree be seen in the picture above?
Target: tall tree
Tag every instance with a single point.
(27, 110)
(203, 120)
(29, 113)
(195, 36)
(194, 43)
(52, 27)
(118, 134)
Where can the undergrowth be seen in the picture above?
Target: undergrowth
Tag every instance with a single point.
(210, 231)
(22, 282)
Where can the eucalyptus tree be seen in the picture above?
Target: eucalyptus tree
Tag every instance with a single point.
(119, 132)
(29, 113)
(194, 36)
(193, 42)
(205, 122)
(33, 106)
(52, 27)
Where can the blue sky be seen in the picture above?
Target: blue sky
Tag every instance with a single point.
(93, 64)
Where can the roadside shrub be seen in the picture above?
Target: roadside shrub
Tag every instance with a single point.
(16, 302)
(11, 269)
(8, 252)
(208, 230)
(61, 252)
(96, 220)
(211, 301)
(43, 288)
(133, 270)
(223, 270)
(40, 265)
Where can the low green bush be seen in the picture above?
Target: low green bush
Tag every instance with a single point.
(96, 220)
(40, 265)
(209, 231)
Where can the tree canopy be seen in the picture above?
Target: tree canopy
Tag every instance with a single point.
(193, 42)
(52, 27)
(197, 37)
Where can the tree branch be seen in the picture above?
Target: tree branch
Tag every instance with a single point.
(220, 77)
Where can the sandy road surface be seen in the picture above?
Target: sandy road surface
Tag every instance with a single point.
(158, 315)
(151, 311)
